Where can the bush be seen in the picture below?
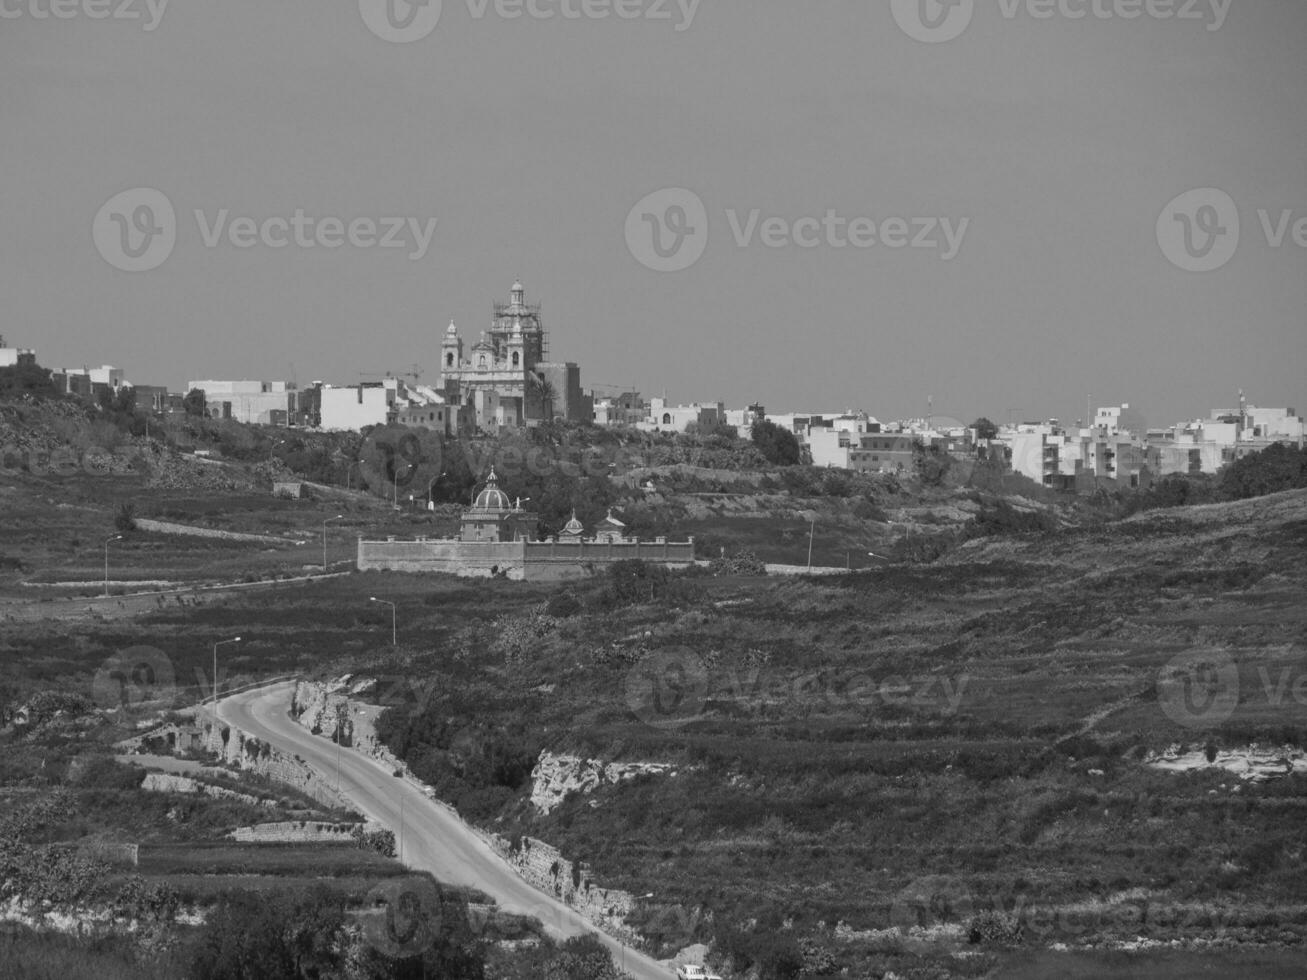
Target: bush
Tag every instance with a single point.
(778, 445)
(742, 563)
(1273, 470)
(562, 605)
(993, 929)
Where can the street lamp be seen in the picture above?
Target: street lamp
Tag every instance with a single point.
(234, 639)
(393, 610)
(112, 537)
(324, 539)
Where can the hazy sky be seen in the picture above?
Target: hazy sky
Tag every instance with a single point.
(1049, 146)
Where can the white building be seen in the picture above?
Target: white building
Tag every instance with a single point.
(854, 444)
(13, 356)
(107, 374)
(251, 402)
(358, 406)
(1117, 419)
(664, 417)
(1206, 445)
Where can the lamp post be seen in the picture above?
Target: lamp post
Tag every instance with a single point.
(812, 531)
(324, 539)
(234, 639)
(112, 537)
(393, 612)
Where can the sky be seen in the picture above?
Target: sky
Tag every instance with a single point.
(994, 208)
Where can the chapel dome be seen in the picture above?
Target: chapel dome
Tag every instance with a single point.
(492, 498)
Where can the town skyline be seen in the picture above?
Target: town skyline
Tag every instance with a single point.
(1048, 282)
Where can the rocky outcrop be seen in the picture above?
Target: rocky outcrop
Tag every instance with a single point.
(544, 866)
(233, 747)
(334, 710)
(1254, 763)
(556, 776)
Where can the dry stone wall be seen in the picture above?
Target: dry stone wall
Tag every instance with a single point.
(297, 832)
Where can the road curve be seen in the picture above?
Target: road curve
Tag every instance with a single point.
(434, 839)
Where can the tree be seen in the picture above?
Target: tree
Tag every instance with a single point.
(778, 445)
(18, 380)
(125, 519)
(195, 403)
(1274, 469)
(930, 464)
(277, 935)
(985, 429)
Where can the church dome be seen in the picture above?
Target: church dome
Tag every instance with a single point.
(492, 498)
(452, 329)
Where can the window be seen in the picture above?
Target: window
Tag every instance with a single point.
(517, 358)
(667, 418)
(449, 360)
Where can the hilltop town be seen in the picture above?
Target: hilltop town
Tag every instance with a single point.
(505, 381)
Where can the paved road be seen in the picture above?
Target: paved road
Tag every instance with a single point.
(434, 838)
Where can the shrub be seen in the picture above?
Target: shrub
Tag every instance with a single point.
(741, 563)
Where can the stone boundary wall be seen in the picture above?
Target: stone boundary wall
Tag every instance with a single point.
(297, 832)
(118, 855)
(530, 560)
(163, 782)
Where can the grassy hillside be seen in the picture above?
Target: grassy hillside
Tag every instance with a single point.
(916, 744)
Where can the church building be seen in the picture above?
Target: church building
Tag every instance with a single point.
(506, 377)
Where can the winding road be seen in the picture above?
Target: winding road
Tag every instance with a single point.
(433, 837)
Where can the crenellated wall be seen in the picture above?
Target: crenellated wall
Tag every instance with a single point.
(535, 561)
